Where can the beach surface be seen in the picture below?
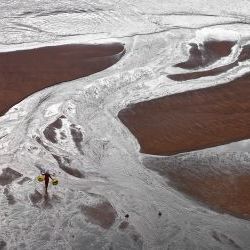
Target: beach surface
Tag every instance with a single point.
(140, 109)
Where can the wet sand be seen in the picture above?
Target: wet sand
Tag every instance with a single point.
(207, 53)
(27, 71)
(197, 60)
(8, 175)
(225, 190)
(191, 120)
(199, 74)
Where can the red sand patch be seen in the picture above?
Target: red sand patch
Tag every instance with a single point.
(207, 53)
(223, 192)
(199, 74)
(221, 182)
(192, 120)
(25, 72)
(198, 60)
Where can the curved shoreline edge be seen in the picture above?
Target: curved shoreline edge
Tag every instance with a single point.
(25, 72)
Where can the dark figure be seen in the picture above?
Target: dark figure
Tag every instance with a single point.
(159, 214)
(46, 179)
(127, 215)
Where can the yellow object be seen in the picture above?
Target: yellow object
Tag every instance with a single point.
(55, 182)
(40, 178)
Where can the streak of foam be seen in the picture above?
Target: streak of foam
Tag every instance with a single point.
(219, 34)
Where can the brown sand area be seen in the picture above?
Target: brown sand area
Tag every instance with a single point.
(206, 53)
(195, 120)
(191, 120)
(225, 191)
(197, 60)
(199, 74)
(27, 71)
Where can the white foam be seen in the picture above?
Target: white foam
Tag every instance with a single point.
(219, 34)
(52, 110)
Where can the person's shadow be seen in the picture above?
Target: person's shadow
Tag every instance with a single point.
(46, 201)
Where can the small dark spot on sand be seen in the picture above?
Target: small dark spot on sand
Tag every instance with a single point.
(159, 214)
(127, 216)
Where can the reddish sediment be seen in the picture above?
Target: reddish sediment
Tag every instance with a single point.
(206, 53)
(226, 192)
(191, 120)
(199, 74)
(244, 55)
(27, 71)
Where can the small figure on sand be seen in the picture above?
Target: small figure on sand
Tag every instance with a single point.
(45, 176)
(46, 179)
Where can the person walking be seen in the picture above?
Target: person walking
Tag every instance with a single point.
(47, 176)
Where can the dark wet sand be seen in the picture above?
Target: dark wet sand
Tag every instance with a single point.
(225, 192)
(8, 175)
(103, 214)
(206, 53)
(191, 120)
(52, 132)
(199, 74)
(197, 60)
(27, 71)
